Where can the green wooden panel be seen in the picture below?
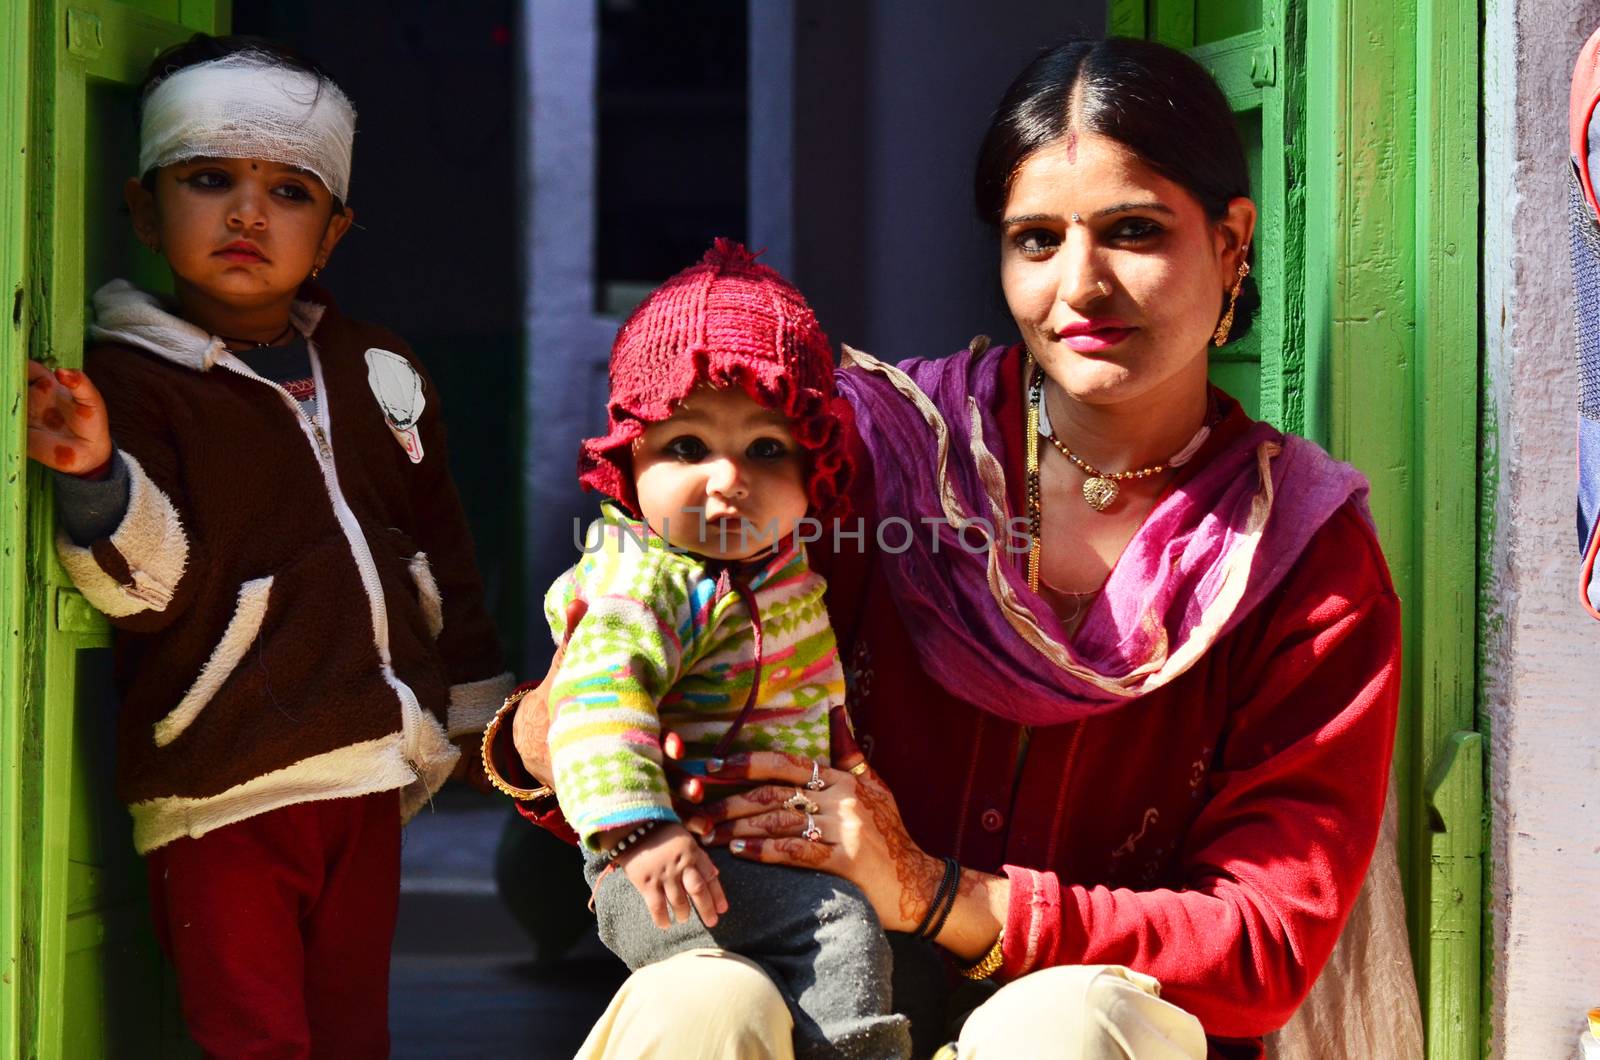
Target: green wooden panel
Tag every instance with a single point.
(1455, 882)
(15, 80)
(88, 980)
(1214, 22)
(1125, 18)
(1171, 22)
(1392, 311)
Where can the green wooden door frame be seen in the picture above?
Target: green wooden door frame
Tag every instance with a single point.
(1372, 349)
(15, 70)
(78, 976)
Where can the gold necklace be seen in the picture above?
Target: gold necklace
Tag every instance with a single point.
(1100, 489)
(1035, 390)
(1035, 378)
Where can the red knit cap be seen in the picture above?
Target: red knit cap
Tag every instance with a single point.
(726, 321)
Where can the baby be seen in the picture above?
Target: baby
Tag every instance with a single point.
(703, 617)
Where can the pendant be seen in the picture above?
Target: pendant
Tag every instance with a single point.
(1099, 493)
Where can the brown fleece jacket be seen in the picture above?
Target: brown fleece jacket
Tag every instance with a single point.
(300, 614)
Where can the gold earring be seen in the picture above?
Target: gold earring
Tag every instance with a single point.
(1226, 327)
(315, 269)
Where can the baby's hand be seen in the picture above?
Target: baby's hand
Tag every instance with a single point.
(670, 869)
(68, 428)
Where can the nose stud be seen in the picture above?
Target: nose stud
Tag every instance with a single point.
(1103, 287)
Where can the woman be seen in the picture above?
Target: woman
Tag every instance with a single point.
(1151, 744)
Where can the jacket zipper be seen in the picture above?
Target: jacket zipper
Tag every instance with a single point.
(316, 432)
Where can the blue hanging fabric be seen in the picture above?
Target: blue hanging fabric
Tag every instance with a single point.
(1584, 221)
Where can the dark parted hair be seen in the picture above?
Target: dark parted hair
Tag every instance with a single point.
(1152, 99)
(203, 48)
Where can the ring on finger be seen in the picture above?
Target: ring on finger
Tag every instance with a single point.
(812, 832)
(816, 783)
(801, 802)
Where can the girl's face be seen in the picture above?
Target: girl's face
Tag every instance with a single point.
(243, 232)
(722, 476)
(1119, 305)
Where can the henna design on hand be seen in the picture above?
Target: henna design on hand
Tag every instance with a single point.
(917, 873)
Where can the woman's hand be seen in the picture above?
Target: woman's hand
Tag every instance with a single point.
(68, 428)
(864, 839)
(670, 871)
(689, 789)
(530, 723)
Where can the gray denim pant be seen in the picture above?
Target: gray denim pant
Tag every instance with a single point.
(815, 935)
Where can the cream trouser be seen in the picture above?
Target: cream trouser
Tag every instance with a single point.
(714, 1005)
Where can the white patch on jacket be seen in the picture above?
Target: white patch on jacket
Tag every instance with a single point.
(150, 539)
(473, 703)
(248, 614)
(427, 593)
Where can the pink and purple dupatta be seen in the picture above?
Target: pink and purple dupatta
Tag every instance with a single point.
(1210, 552)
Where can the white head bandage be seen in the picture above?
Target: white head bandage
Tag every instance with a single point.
(249, 105)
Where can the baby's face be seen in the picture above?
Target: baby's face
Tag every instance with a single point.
(242, 232)
(723, 476)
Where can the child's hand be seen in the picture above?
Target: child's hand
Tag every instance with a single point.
(469, 767)
(68, 428)
(671, 870)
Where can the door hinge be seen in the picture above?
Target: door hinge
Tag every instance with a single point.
(74, 614)
(1264, 66)
(84, 38)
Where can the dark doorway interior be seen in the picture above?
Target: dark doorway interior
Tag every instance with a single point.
(434, 252)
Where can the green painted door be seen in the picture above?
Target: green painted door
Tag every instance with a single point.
(1360, 118)
(79, 973)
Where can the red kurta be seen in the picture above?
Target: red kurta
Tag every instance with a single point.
(1213, 834)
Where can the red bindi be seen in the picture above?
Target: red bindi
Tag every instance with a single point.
(65, 456)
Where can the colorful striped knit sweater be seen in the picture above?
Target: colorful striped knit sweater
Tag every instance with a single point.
(666, 643)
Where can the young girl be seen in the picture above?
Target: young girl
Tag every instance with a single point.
(268, 519)
(702, 615)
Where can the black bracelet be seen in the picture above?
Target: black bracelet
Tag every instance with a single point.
(628, 840)
(952, 874)
(952, 869)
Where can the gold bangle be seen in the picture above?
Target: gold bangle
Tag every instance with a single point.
(859, 768)
(989, 963)
(499, 782)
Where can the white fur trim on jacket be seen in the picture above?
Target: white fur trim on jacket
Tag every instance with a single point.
(150, 539)
(427, 593)
(248, 615)
(135, 317)
(473, 703)
(360, 769)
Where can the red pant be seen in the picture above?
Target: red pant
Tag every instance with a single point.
(280, 927)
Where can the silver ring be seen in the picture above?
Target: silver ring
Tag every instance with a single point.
(815, 783)
(801, 803)
(812, 832)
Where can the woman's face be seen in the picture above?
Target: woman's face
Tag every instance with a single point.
(1119, 305)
